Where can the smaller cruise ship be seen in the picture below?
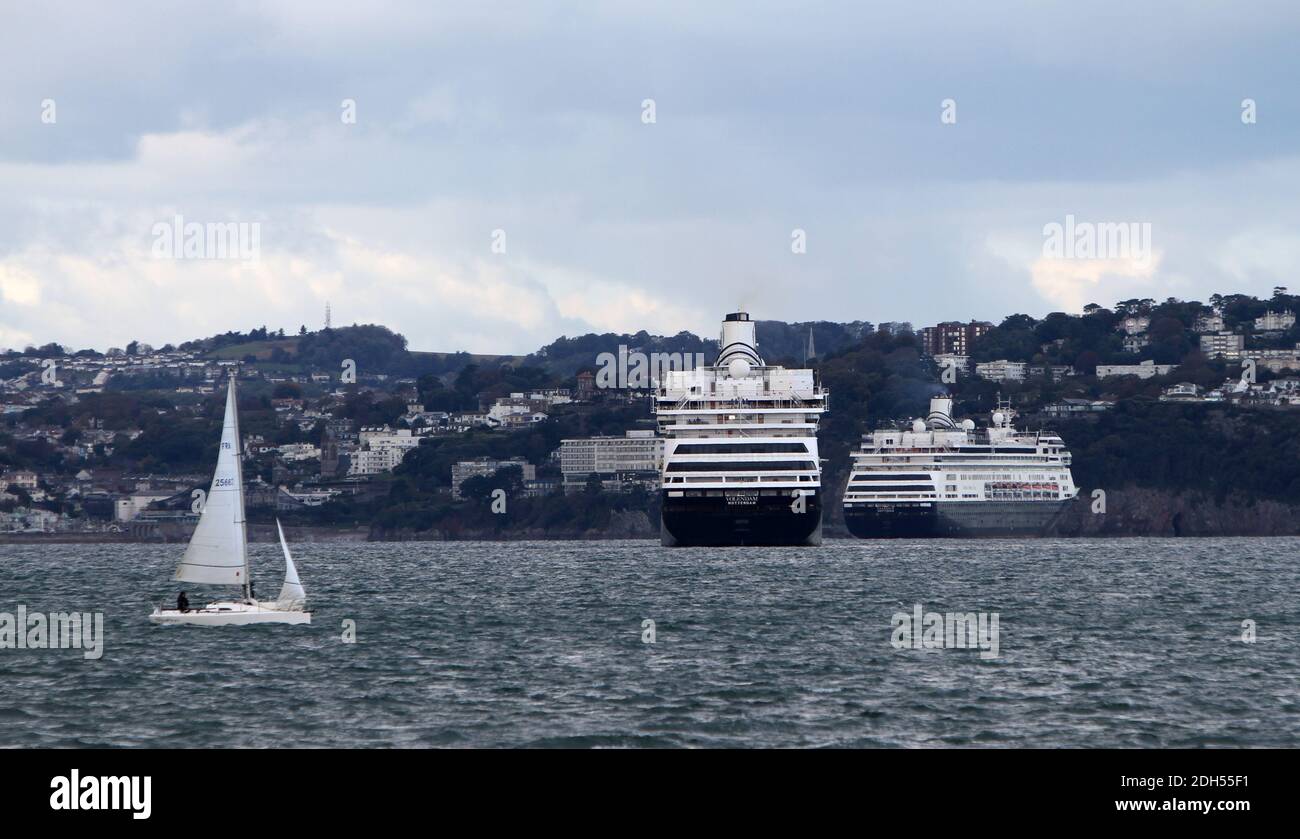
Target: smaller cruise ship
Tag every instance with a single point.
(944, 479)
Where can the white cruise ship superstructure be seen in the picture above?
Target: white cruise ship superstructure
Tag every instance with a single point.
(942, 479)
(740, 448)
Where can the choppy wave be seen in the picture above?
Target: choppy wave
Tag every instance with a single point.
(1102, 643)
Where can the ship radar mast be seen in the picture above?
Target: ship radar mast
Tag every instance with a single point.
(1003, 414)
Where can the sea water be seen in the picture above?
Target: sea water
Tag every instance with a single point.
(1123, 642)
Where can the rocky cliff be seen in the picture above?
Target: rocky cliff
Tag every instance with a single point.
(1137, 511)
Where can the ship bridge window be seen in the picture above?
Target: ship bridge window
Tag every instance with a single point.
(890, 490)
(891, 476)
(742, 448)
(740, 466)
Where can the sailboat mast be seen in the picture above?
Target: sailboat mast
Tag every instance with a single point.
(239, 486)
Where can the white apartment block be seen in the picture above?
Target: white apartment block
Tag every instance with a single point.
(636, 451)
(1225, 344)
(1001, 371)
(376, 461)
(381, 449)
(1145, 370)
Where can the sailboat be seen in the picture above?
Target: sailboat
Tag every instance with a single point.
(218, 551)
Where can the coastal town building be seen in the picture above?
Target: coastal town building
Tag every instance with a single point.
(1076, 407)
(1181, 392)
(1054, 372)
(129, 507)
(1272, 321)
(953, 337)
(24, 479)
(635, 458)
(1223, 345)
(1144, 370)
(380, 449)
(486, 467)
(1001, 371)
(1276, 360)
(299, 451)
(30, 520)
(1134, 324)
(1135, 343)
(960, 364)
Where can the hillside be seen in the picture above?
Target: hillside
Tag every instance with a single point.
(778, 342)
(1197, 467)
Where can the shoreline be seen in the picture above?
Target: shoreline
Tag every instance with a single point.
(355, 538)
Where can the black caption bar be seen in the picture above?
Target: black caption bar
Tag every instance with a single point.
(174, 789)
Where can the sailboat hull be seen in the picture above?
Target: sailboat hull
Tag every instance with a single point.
(230, 613)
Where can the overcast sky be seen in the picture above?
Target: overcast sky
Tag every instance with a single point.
(528, 118)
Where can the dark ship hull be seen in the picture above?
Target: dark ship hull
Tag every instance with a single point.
(952, 520)
(740, 517)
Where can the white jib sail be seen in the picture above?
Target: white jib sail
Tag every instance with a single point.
(218, 551)
(292, 590)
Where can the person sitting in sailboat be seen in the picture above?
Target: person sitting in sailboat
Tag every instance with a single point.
(183, 602)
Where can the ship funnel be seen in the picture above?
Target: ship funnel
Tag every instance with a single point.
(940, 415)
(738, 341)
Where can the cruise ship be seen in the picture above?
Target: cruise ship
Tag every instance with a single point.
(740, 448)
(944, 479)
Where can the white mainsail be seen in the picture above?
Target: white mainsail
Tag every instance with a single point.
(218, 551)
(292, 590)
